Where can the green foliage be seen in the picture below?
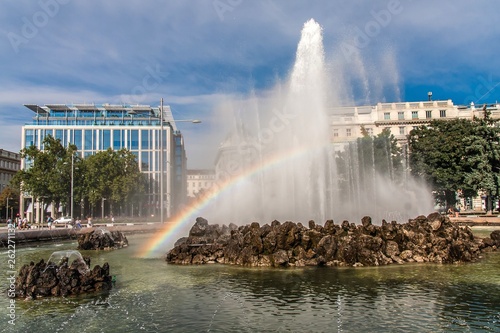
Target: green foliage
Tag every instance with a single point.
(114, 175)
(47, 175)
(457, 154)
(109, 174)
(12, 194)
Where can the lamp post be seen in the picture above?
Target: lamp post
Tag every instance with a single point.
(162, 156)
(72, 171)
(72, 177)
(161, 161)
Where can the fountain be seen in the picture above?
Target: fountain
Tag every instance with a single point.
(279, 162)
(102, 239)
(65, 273)
(57, 258)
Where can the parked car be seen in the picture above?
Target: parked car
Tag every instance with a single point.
(63, 220)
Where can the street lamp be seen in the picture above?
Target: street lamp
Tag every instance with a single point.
(72, 176)
(194, 121)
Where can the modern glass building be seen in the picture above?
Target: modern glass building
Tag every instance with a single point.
(138, 128)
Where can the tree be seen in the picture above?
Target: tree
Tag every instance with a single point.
(458, 154)
(368, 157)
(47, 175)
(482, 166)
(9, 198)
(113, 175)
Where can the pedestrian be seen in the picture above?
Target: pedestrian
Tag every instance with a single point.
(450, 211)
(49, 221)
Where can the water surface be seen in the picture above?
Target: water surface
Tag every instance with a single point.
(153, 296)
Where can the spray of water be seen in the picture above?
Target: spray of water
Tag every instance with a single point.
(292, 121)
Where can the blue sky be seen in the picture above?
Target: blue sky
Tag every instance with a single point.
(198, 54)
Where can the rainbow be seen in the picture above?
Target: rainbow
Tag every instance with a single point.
(157, 246)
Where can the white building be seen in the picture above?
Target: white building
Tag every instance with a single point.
(400, 117)
(198, 180)
(10, 163)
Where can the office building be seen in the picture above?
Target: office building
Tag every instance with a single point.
(150, 135)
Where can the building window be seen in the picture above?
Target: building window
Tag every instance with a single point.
(442, 113)
(78, 139)
(335, 132)
(414, 115)
(401, 115)
(134, 140)
(106, 139)
(88, 140)
(348, 132)
(387, 115)
(402, 130)
(428, 114)
(145, 139)
(369, 131)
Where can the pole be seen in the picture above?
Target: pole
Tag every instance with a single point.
(161, 161)
(72, 170)
(7, 214)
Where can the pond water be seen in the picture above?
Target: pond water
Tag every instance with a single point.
(152, 296)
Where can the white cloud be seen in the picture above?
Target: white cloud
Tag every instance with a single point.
(100, 51)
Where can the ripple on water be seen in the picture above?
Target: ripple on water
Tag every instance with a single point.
(151, 296)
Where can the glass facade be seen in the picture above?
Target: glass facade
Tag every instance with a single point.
(137, 128)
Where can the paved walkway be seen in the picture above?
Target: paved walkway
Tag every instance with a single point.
(493, 220)
(60, 233)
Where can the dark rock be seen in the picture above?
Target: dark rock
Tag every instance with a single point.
(423, 239)
(199, 228)
(102, 239)
(58, 279)
(366, 221)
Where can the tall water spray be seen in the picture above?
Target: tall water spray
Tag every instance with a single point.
(279, 163)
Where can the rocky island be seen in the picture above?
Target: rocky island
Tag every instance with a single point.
(65, 273)
(430, 238)
(102, 239)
